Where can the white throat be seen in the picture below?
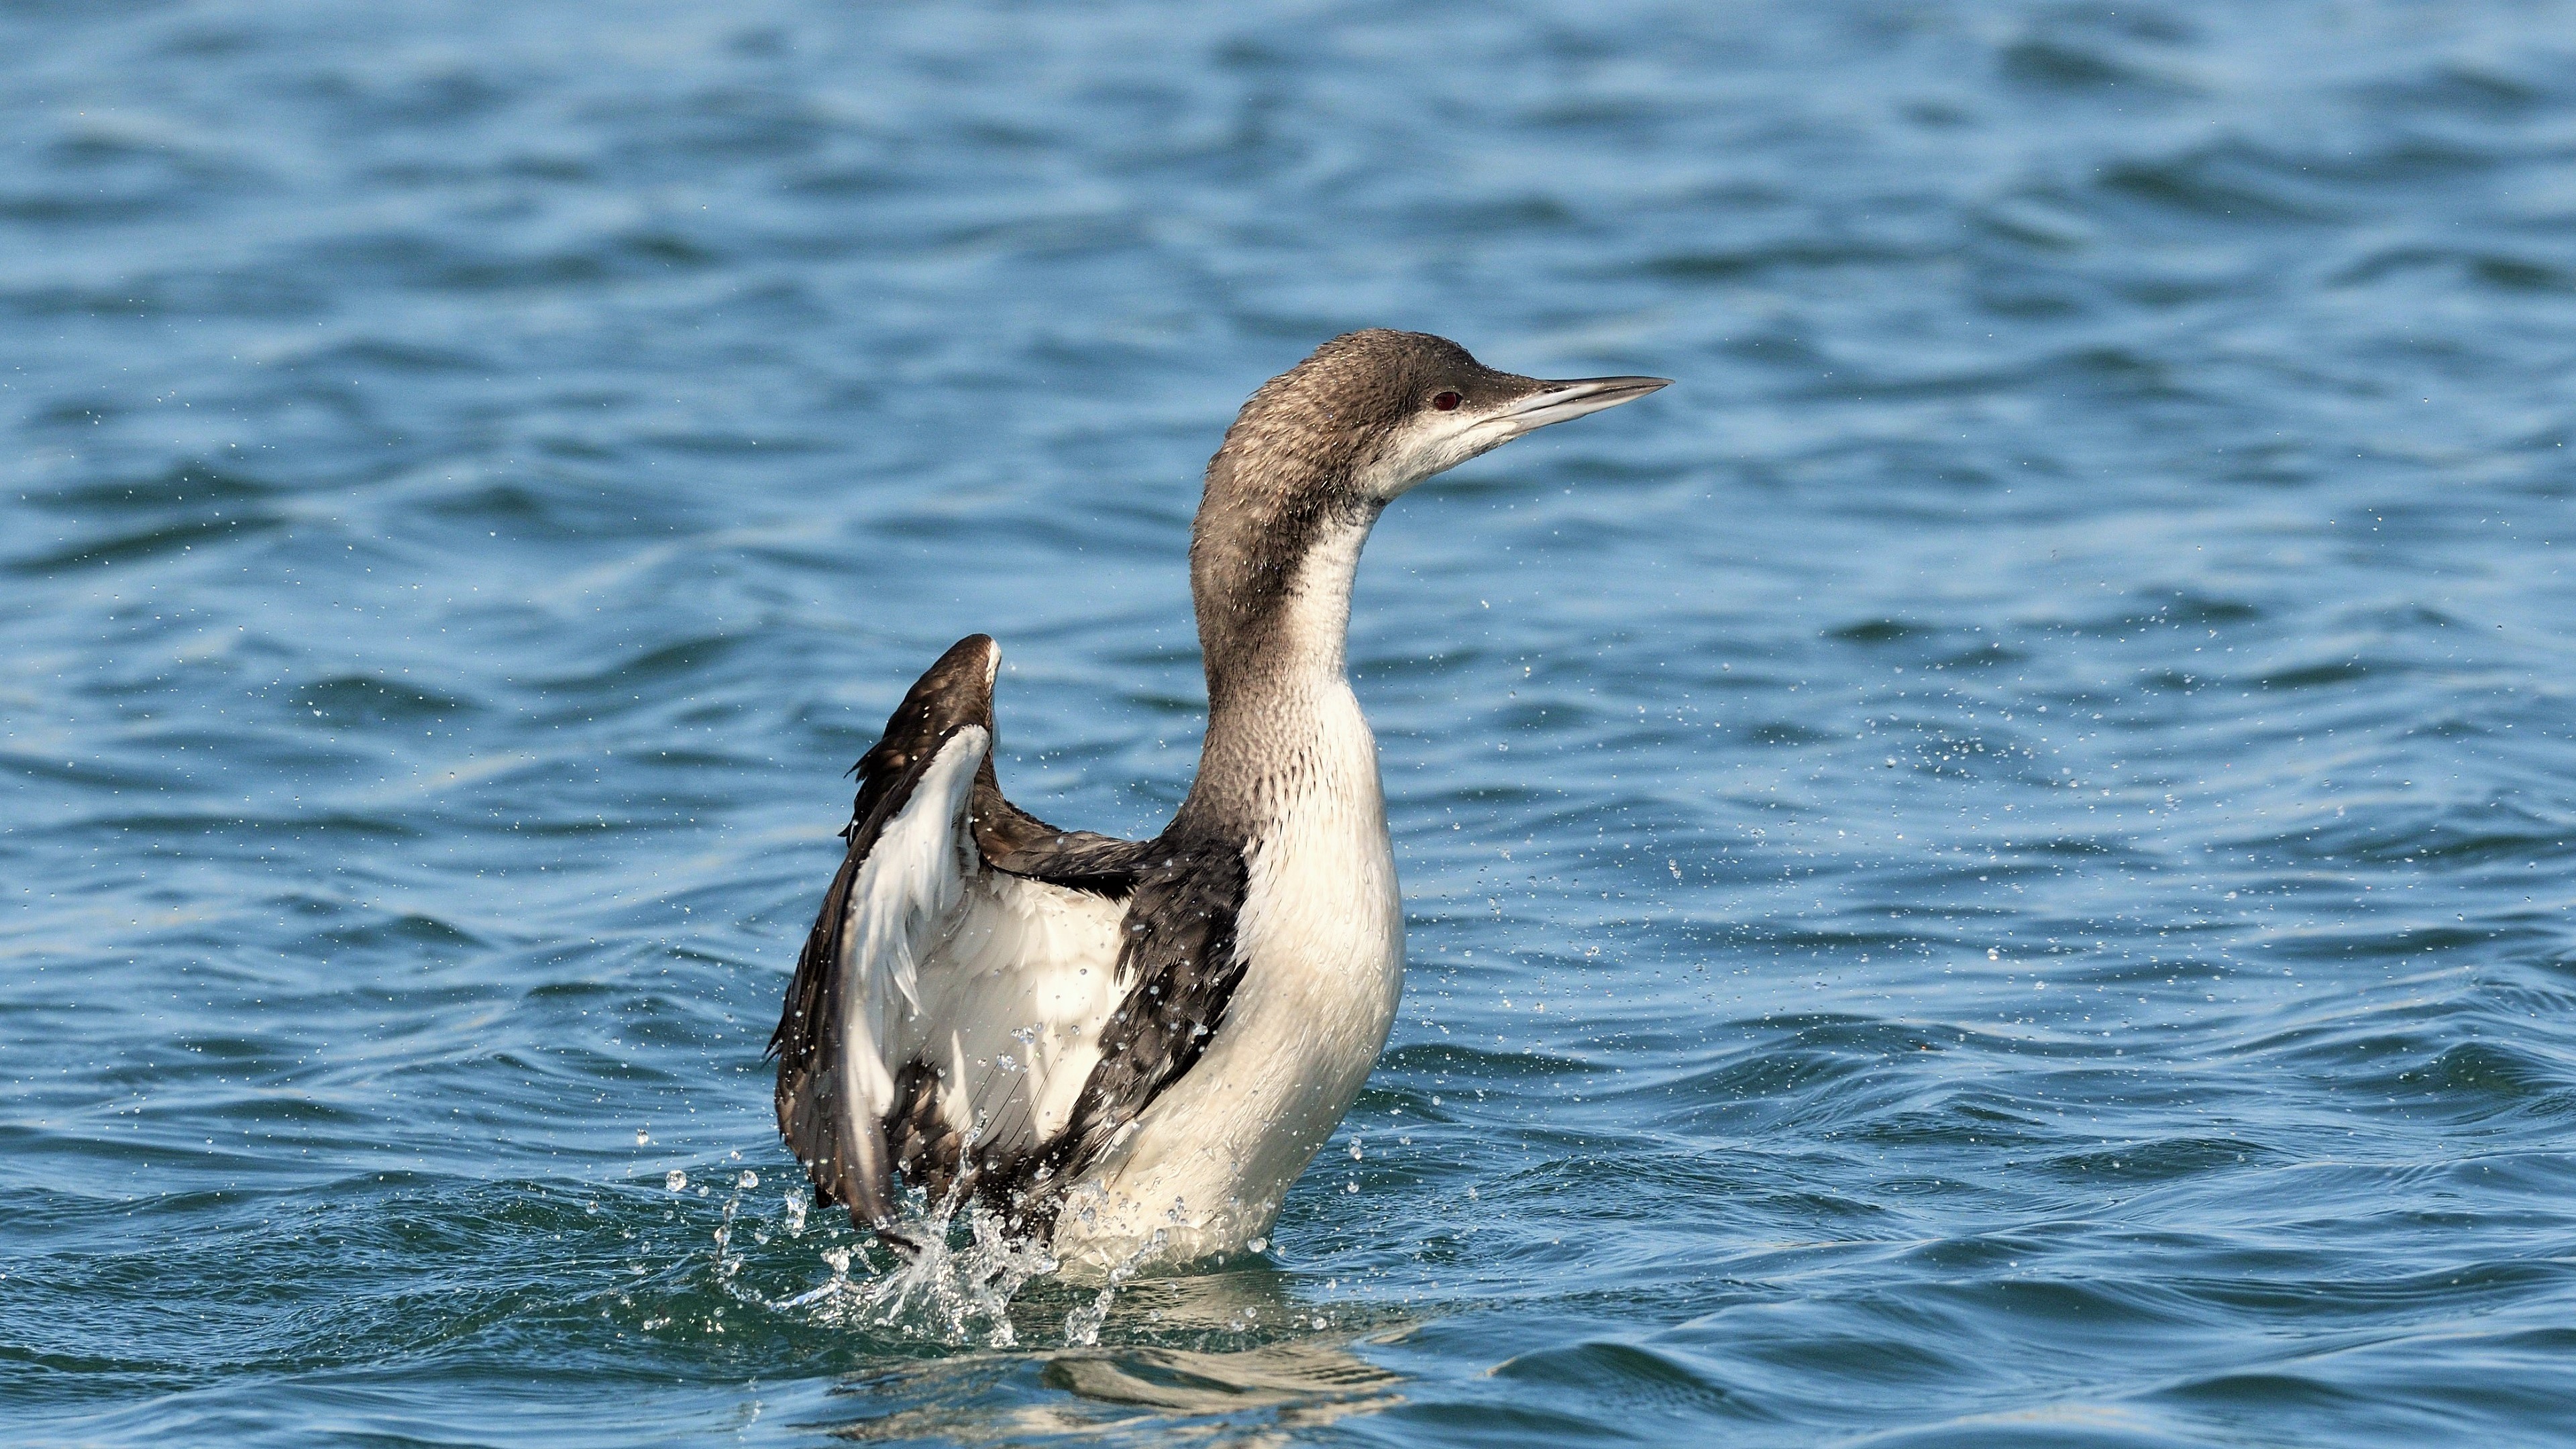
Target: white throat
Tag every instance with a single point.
(1315, 625)
(1287, 722)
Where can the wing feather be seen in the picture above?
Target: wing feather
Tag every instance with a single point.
(1178, 968)
(886, 906)
(951, 993)
(858, 981)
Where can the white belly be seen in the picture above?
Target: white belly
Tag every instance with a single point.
(1321, 934)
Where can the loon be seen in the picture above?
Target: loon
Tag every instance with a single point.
(1130, 1049)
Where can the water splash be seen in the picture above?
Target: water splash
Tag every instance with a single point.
(1082, 1325)
(957, 1289)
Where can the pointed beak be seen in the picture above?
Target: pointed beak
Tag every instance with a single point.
(1573, 397)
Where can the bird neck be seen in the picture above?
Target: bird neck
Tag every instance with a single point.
(1272, 560)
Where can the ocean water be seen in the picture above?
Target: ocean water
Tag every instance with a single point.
(1990, 868)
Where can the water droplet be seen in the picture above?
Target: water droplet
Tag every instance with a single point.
(1259, 1245)
(643, 1138)
(748, 1179)
(675, 1179)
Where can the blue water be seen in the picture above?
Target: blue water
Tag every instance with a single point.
(1990, 868)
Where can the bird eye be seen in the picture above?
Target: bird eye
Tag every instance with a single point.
(1446, 402)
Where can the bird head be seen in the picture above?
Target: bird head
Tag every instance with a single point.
(1370, 414)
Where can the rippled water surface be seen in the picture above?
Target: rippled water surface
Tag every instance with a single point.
(1990, 868)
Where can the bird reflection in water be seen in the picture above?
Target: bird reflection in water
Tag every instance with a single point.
(1233, 1349)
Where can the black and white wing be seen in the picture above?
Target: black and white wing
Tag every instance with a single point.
(947, 1011)
(1178, 968)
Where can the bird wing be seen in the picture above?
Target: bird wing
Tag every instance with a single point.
(1177, 970)
(947, 1009)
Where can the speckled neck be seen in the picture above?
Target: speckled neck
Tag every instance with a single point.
(1272, 560)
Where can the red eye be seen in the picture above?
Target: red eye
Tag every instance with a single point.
(1447, 402)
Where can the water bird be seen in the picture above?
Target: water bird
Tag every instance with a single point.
(1131, 1048)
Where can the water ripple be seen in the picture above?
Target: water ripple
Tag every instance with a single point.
(1991, 870)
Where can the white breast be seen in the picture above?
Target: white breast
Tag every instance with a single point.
(1321, 935)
